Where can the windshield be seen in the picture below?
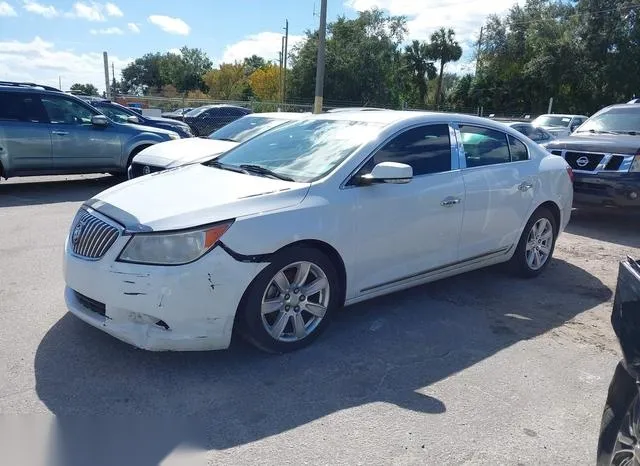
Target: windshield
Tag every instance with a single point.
(116, 113)
(303, 150)
(552, 120)
(614, 120)
(246, 128)
(196, 111)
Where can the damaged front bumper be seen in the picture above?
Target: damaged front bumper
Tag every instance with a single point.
(183, 308)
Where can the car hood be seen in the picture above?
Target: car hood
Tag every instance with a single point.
(192, 196)
(149, 129)
(608, 143)
(168, 121)
(179, 152)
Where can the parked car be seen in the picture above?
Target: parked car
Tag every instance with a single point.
(559, 125)
(354, 109)
(177, 114)
(121, 114)
(44, 131)
(619, 440)
(174, 154)
(634, 101)
(539, 135)
(273, 236)
(605, 155)
(208, 118)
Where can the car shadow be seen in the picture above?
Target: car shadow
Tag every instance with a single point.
(35, 192)
(390, 350)
(613, 226)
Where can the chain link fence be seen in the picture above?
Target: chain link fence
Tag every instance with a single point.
(205, 115)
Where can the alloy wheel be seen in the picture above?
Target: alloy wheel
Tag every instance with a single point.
(627, 448)
(539, 244)
(295, 301)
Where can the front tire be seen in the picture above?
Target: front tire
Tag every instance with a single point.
(290, 303)
(536, 245)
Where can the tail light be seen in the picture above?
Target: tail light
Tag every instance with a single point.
(570, 173)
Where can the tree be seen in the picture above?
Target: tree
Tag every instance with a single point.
(87, 89)
(144, 73)
(361, 60)
(445, 49)
(253, 63)
(418, 58)
(228, 82)
(186, 69)
(265, 83)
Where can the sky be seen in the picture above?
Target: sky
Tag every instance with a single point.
(52, 41)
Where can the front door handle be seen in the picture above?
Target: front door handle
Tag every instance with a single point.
(525, 186)
(450, 201)
(60, 133)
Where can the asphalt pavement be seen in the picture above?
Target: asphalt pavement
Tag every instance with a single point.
(482, 368)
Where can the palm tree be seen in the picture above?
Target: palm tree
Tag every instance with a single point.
(445, 49)
(418, 57)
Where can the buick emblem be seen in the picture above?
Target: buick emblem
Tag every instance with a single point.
(77, 231)
(582, 161)
(146, 170)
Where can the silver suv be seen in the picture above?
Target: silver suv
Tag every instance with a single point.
(44, 131)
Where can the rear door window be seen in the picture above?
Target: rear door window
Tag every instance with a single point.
(21, 106)
(484, 146)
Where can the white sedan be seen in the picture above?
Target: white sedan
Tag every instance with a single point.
(161, 157)
(274, 236)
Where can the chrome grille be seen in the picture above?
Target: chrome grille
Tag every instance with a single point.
(91, 237)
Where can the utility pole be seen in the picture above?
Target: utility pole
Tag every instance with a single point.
(280, 73)
(479, 49)
(60, 82)
(284, 60)
(106, 74)
(281, 70)
(322, 33)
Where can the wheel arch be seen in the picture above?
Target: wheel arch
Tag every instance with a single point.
(333, 255)
(555, 211)
(136, 150)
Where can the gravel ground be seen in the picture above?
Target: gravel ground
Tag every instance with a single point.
(478, 369)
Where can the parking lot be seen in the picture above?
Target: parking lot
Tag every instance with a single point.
(478, 369)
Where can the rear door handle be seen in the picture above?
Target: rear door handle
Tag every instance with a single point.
(525, 186)
(450, 201)
(60, 133)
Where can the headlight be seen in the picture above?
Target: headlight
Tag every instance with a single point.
(635, 166)
(173, 135)
(176, 248)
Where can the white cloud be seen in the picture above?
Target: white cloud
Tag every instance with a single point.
(7, 10)
(107, 31)
(264, 44)
(133, 27)
(426, 16)
(48, 11)
(170, 25)
(42, 62)
(90, 12)
(113, 10)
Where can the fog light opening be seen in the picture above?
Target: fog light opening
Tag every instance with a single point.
(163, 324)
(633, 195)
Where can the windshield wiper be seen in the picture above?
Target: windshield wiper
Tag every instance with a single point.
(222, 166)
(226, 139)
(260, 170)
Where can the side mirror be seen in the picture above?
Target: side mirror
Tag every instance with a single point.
(133, 119)
(99, 120)
(389, 172)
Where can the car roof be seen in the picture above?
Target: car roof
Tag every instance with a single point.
(514, 123)
(388, 117)
(280, 115)
(563, 115)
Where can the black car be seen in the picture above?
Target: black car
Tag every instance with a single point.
(177, 114)
(619, 440)
(208, 118)
(604, 153)
(121, 114)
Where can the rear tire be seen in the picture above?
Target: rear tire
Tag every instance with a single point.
(290, 303)
(622, 396)
(536, 245)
